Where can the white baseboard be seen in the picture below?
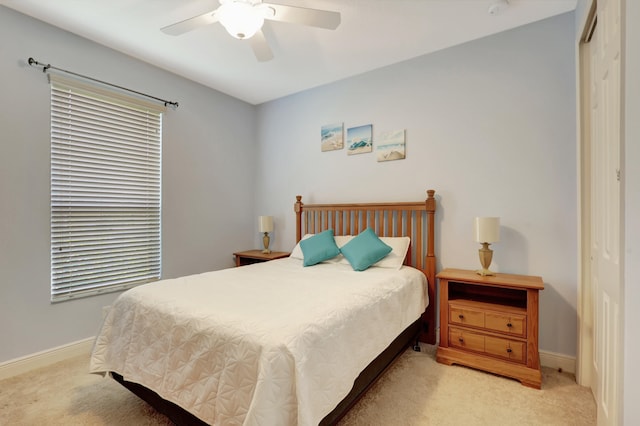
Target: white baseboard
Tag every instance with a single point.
(558, 361)
(42, 359)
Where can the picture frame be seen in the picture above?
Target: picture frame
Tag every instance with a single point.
(359, 139)
(391, 146)
(331, 137)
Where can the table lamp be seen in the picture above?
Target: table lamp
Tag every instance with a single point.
(265, 224)
(486, 230)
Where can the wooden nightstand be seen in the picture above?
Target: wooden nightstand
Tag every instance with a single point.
(255, 256)
(491, 323)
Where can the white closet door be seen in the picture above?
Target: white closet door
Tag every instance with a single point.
(605, 232)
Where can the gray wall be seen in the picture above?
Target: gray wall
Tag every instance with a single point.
(208, 176)
(490, 126)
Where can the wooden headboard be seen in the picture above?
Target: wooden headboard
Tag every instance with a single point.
(413, 219)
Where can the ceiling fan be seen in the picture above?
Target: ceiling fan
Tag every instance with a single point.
(243, 19)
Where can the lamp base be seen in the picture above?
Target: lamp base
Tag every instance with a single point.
(486, 255)
(265, 242)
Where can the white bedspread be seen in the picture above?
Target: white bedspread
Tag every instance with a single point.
(272, 343)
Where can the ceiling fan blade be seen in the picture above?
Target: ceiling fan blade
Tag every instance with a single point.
(190, 24)
(301, 15)
(260, 47)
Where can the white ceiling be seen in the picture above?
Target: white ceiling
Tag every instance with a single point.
(372, 34)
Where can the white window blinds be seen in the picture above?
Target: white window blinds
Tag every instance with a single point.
(105, 190)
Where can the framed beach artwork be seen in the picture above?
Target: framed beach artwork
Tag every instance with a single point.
(359, 139)
(391, 146)
(331, 137)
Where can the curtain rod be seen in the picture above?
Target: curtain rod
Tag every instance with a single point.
(47, 67)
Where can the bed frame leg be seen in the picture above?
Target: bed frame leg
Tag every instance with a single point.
(416, 345)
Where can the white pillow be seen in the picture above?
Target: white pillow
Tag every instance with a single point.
(297, 251)
(399, 247)
(340, 240)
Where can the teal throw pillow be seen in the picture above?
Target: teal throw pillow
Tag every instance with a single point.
(319, 248)
(364, 250)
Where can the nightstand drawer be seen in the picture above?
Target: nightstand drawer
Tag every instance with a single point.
(504, 348)
(466, 339)
(515, 325)
(465, 316)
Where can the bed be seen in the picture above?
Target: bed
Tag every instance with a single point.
(279, 342)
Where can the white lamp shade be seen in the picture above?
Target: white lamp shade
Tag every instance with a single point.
(486, 229)
(265, 223)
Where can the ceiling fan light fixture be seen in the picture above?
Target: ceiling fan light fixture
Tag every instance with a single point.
(240, 19)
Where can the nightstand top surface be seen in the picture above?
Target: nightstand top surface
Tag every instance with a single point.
(499, 279)
(258, 254)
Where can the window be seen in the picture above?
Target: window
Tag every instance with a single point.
(105, 190)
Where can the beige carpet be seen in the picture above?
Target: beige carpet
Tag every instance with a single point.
(415, 391)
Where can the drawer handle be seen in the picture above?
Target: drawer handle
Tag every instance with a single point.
(509, 350)
(509, 325)
(461, 316)
(460, 339)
